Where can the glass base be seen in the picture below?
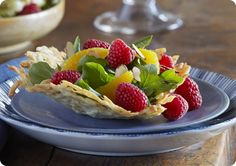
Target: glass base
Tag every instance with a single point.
(115, 22)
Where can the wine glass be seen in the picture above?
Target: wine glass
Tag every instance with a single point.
(137, 16)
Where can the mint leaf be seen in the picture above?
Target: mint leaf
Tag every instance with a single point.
(149, 79)
(95, 75)
(150, 69)
(81, 83)
(40, 71)
(72, 48)
(144, 42)
(153, 84)
(88, 58)
(169, 80)
(137, 62)
(76, 44)
(171, 76)
(165, 86)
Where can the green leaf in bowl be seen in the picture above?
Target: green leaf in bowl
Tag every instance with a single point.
(90, 58)
(153, 84)
(40, 71)
(95, 75)
(81, 83)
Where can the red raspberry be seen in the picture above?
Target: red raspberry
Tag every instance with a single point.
(176, 109)
(120, 54)
(68, 75)
(190, 91)
(91, 43)
(29, 9)
(166, 62)
(131, 97)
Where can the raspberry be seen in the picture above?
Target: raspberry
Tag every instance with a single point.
(68, 75)
(120, 54)
(91, 43)
(130, 97)
(29, 9)
(166, 62)
(176, 109)
(190, 91)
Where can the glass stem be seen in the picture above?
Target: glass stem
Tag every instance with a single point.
(137, 16)
(138, 9)
(139, 2)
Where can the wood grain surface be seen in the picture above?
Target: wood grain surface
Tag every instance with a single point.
(207, 40)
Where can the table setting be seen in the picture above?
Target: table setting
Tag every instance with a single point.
(49, 126)
(50, 121)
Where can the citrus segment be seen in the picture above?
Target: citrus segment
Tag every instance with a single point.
(72, 62)
(150, 56)
(109, 89)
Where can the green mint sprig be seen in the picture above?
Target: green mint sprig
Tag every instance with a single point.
(72, 48)
(144, 42)
(153, 84)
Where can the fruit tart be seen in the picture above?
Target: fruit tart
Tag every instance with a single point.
(110, 80)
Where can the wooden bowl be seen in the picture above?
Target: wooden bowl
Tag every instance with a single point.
(18, 32)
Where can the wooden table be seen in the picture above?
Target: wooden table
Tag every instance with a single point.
(206, 41)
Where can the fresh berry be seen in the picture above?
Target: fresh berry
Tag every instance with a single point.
(68, 75)
(91, 43)
(190, 91)
(166, 63)
(176, 109)
(29, 9)
(120, 54)
(130, 97)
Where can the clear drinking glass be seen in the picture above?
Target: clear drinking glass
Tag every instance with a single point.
(137, 16)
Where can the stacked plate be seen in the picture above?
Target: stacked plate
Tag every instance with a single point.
(51, 122)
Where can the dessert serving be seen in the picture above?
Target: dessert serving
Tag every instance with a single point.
(114, 81)
(11, 8)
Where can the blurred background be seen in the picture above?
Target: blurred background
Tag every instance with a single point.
(209, 30)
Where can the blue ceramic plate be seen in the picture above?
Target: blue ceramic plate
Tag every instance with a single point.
(42, 110)
(127, 144)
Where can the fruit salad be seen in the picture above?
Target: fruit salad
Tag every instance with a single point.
(11, 8)
(111, 80)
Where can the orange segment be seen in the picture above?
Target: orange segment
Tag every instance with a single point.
(72, 62)
(151, 56)
(109, 89)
